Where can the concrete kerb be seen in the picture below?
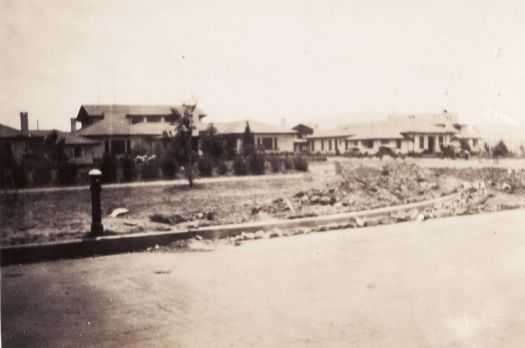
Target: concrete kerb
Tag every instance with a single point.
(114, 244)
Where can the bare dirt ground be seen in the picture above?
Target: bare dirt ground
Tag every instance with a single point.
(453, 282)
(332, 187)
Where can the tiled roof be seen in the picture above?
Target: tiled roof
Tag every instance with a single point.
(341, 131)
(376, 130)
(115, 121)
(468, 133)
(9, 132)
(139, 110)
(69, 138)
(390, 129)
(238, 127)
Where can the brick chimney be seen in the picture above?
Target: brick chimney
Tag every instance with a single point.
(73, 125)
(24, 124)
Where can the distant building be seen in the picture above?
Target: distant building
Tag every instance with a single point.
(301, 143)
(267, 137)
(409, 133)
(78, 149)
(121, 128)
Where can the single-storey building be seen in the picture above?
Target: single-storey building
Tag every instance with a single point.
(330, 141)
(267, 137)
(408, 133)
(300, 142)
(78, 149)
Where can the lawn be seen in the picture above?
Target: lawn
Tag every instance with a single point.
(333, 187)
(48, 216)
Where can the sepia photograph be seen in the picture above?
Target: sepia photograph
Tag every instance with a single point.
(278, 173)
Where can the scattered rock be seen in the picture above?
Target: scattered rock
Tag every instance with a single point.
(119, 212)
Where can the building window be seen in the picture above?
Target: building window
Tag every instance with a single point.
(421, 142)
(128, 146)
(346, 145)
(474, 142)
(322, 145)
(106, 146)
(398, 143)
(77, 151)
(154, 119)
(135, 120)
(384, 142)
(368, 143)
(118, 146)
(440, 140)
(313, 145)
(330, 145)
(275, 143)
(171, 118)
(267, 143)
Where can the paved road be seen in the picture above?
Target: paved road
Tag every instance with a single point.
(441, 283)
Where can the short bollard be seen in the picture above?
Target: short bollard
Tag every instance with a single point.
(95, 178)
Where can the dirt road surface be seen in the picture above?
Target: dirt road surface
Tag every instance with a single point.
(455, 282)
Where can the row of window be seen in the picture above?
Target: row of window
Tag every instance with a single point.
(117, 146)
(366, 143)
(153, 119)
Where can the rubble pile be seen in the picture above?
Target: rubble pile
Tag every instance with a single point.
(499, 179)
(359, 188)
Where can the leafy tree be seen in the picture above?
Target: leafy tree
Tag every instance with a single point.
(54, 148)
(212, 144)
(181, 145)
(500, 150)
(465, 145)
(248, 142)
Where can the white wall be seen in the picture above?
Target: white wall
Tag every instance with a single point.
(284, 141)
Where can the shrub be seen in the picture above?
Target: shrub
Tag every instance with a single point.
(149, 169)
(205, 166)
(300, 164)
(276, 164)
(19, 175)
(222, 168)
(240, 166)
(43, 173)
(256, 162)
(128, 168)
(108, 168)
(168, 166)
(288, 163)
(211, 143)
(67, 173)
(500, 150)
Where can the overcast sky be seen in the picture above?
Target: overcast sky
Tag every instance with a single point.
(264, 60)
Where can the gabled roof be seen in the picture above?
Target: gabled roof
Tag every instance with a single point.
(69, 138)
(9, 132)
(238, 127)
(376, 130)
(137, 110)
(468, 132)
(338, 132)
(115, 119)
(393, 128)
